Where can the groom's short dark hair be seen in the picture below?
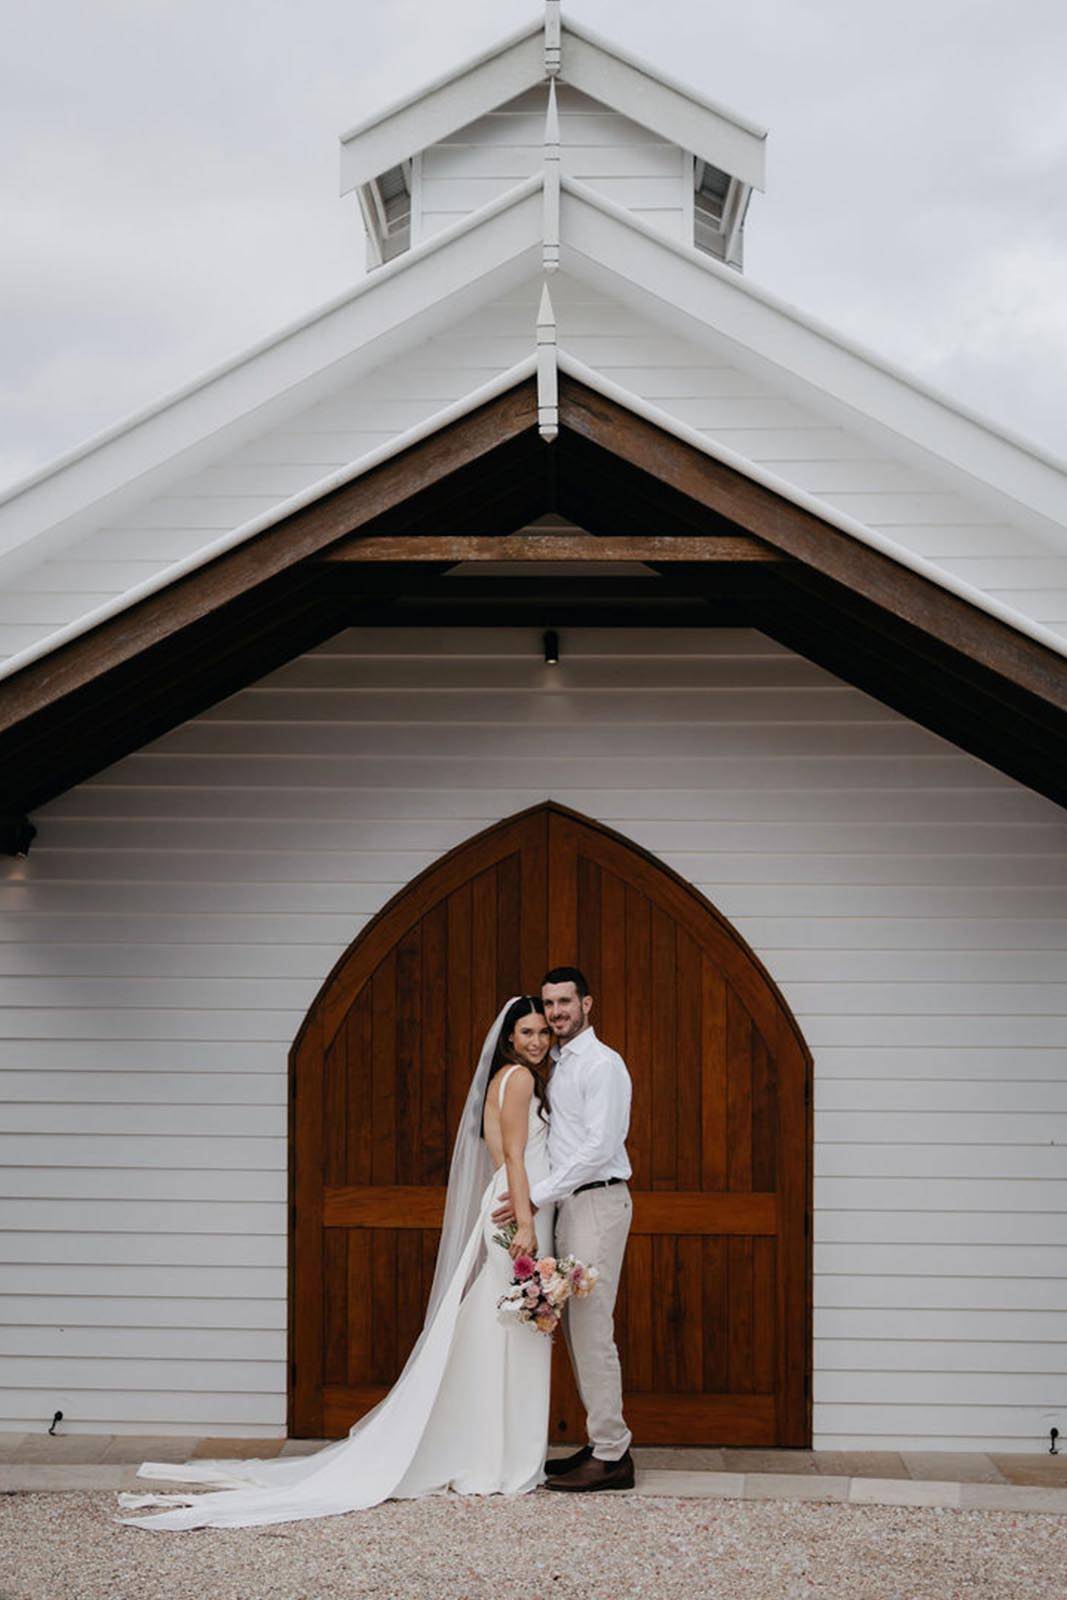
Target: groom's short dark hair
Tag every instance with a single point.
(567, 975)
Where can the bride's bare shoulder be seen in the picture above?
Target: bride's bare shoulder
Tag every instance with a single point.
(518, 1083)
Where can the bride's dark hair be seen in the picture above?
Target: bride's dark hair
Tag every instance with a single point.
(504, 1054)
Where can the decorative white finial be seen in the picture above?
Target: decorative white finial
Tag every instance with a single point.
(550, 204)
(547, 372)
(553, 37)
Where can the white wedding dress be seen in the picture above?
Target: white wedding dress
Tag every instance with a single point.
(469, 1413)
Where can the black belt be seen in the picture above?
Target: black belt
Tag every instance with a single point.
(600, 1183)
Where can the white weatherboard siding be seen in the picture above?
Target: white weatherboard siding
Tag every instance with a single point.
(160, 946)
(629, 164)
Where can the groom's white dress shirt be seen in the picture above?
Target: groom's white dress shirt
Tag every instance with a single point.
(589, 1098)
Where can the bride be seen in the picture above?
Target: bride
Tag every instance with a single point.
(469, 1411)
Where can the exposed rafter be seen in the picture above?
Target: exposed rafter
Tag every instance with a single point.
(885, 628)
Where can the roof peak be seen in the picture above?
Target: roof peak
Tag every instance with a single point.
(530, 55)
(720, 154)
(552, 28)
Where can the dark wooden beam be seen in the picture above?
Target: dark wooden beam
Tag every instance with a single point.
(550, 547)
(722, 552)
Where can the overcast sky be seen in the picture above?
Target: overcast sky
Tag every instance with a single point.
(170, 176)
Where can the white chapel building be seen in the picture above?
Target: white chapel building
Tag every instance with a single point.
(554, 595)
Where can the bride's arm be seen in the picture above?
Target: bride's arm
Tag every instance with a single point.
(514, 1124)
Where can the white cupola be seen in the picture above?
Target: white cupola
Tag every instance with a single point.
(554, 95)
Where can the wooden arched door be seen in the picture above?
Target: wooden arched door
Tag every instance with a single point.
(713, 1317)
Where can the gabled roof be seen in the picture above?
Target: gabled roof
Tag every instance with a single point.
(499, 248)
(599, 69)
(448, 276)
(384, 546)
(626, 256)
(412, 297)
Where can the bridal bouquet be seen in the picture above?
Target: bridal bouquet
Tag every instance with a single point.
(540, 1289)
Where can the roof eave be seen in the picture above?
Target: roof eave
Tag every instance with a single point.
(125, 461)
(687, 283)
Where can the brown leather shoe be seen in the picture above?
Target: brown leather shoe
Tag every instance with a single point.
(594, 1474)
(561, 1464)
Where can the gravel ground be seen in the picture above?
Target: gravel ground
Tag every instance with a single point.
(532, 1547)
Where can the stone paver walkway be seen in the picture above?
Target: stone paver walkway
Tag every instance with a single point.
(85, 1462)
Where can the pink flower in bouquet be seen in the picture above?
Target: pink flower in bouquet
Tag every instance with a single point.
(546, 1321)
(577, 1274)
(547, 1266)
(524, 1266)
(587, 1283)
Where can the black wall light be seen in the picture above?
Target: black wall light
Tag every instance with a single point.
(551, 643)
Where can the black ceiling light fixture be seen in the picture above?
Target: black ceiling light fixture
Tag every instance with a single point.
(551, 643)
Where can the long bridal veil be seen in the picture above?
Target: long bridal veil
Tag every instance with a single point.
(365, 1466)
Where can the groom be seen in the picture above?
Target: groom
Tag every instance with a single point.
(590, 1103)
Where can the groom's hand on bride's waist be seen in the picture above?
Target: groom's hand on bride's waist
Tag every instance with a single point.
(505, 1211)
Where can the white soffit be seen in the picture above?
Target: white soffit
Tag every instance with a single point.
(408, 300)
(599, 69)
(706, 301)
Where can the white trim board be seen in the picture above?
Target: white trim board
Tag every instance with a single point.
(487, 81)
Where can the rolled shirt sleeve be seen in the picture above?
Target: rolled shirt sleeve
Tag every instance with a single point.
(606, 1093)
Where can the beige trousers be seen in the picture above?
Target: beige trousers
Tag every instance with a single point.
(594, 1226)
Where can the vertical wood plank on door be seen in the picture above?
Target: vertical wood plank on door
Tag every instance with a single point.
(713, 1132)
(715, 1311)
(639, 1034)
(666, 1313)
(562, 893)
(764, 1117)
(764, 1315)
(534, 951)
(305, 1193)
(334, 1305)
(612, 993)
(410, 1303)
(384, 1365)
(738, 1094)
(740, 1314)
(408, 1021)
(484, 1000)
(687, 1048)
(459, 1043)
(358, 1029)
(360, 1278)
(433, 1122)
(588, 911)
(636, 1343)
(383, 1022)
(662, 994)
(688, 1335)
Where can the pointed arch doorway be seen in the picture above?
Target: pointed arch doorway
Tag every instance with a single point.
(714, 1311)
